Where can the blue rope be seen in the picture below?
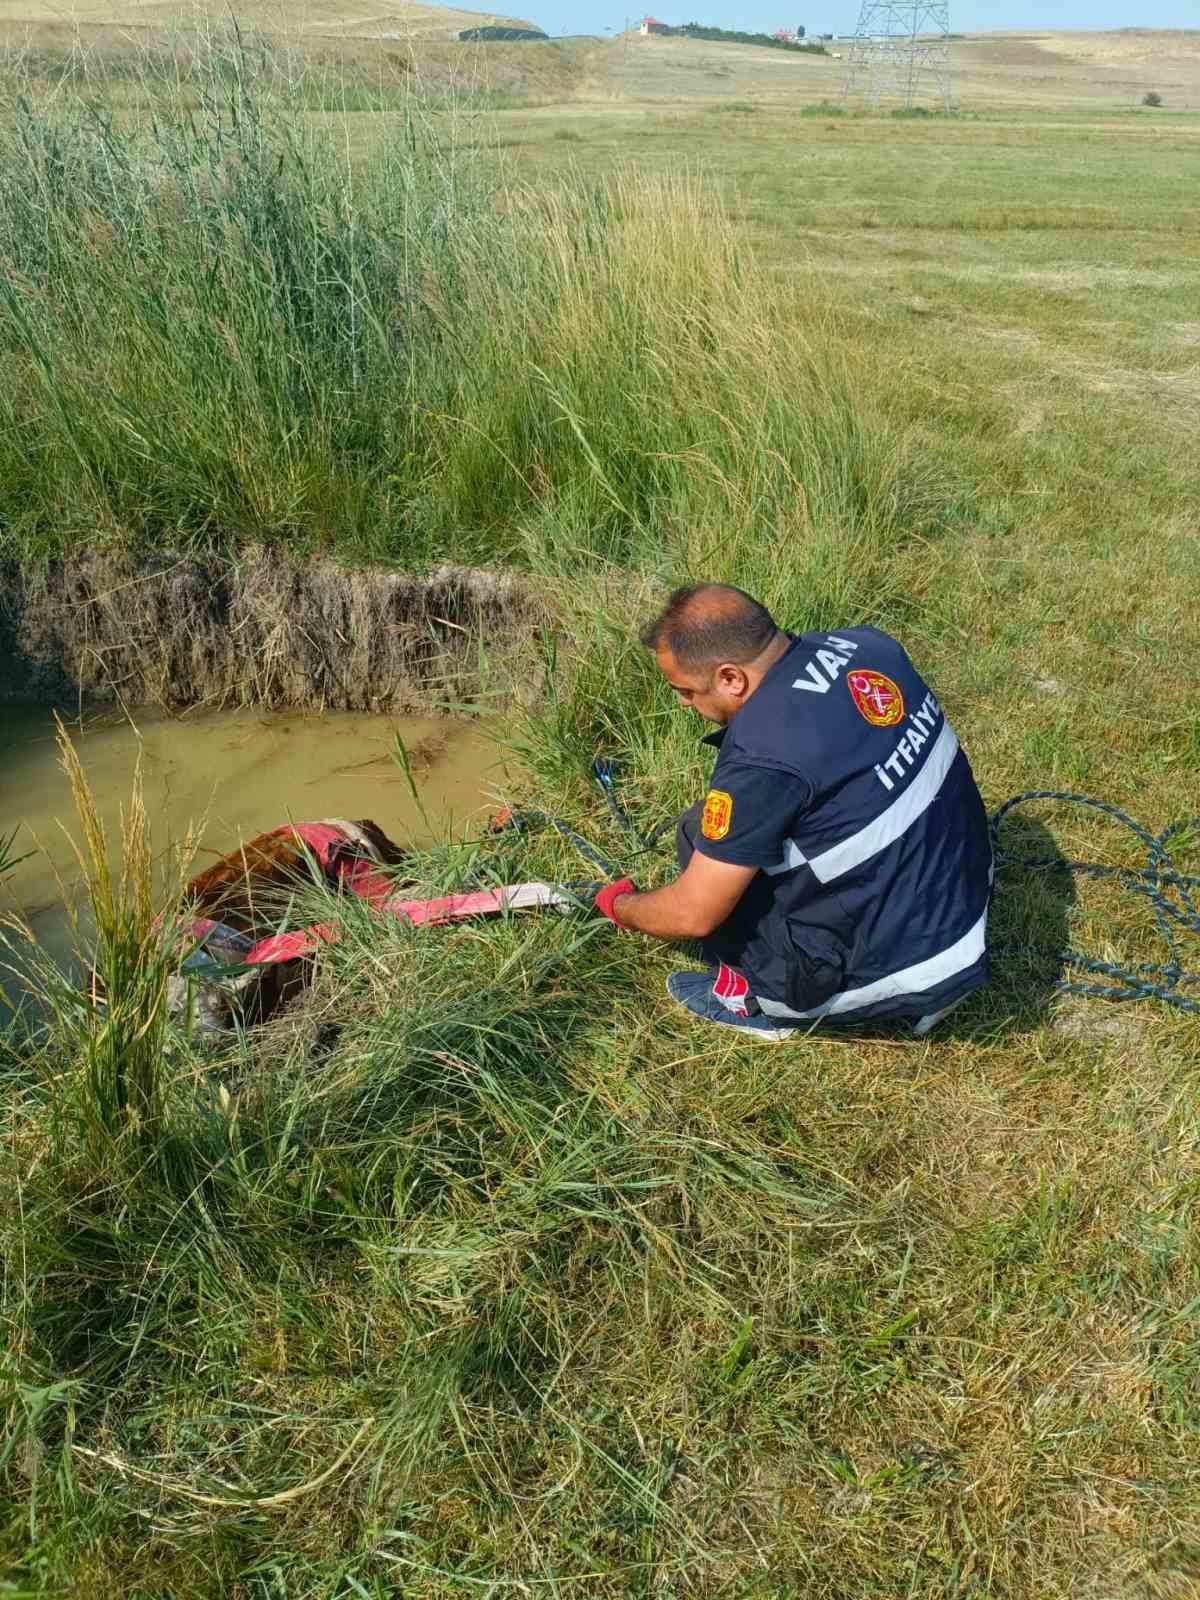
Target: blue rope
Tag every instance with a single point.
(603, 771)
(520, 820)
(1148, 981)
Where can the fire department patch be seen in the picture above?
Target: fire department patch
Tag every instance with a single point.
(718, 814)
(877, 697)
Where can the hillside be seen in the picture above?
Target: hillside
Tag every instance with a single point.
(1061, 69)
(1051, 70)
(313, 18)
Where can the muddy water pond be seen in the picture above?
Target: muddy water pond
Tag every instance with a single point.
(230, 775)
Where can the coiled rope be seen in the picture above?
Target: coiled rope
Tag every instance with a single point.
(1156, 881)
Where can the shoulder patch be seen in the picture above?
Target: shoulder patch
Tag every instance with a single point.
(718, 814)
(877, 697)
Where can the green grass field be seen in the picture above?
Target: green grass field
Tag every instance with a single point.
(483, 1272)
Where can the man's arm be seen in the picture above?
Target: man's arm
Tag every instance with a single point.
(691, 907)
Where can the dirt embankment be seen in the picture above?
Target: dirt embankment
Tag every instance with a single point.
(265, 630)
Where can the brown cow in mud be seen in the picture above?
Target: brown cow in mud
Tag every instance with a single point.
(232, 903)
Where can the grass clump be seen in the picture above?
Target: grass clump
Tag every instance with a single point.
(219, 331)
(109, 1015)
(205, 340)
(119, 1032)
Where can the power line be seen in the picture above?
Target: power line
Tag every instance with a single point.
(900, 54)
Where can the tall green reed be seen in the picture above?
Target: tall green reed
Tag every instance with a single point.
(116, 1034)
(9, 859)
(210, 316)
(220, 327)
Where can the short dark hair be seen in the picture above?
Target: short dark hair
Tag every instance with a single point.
(703, 624)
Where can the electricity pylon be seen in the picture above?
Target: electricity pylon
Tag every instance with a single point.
(901, 53)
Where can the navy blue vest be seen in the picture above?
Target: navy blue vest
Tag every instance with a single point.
(878, 904)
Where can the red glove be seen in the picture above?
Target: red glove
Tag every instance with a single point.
(610, 891)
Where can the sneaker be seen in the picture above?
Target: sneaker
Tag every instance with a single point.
(930, 1020)
(722, 996)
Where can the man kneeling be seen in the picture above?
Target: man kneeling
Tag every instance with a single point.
(839, 867)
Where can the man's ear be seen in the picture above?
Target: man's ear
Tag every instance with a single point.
(732, 678)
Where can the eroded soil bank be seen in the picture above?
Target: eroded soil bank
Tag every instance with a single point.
(265, 629)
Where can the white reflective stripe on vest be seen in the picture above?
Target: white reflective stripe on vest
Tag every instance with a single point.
(914, 980)
(793, 857)
(896, 820)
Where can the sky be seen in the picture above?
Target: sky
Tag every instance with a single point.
(840, 16)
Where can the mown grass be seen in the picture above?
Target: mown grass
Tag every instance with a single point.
(483, 1270)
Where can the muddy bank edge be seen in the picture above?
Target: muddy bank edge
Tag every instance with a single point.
(264, 629)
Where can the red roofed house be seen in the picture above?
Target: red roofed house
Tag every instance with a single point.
(653, 25)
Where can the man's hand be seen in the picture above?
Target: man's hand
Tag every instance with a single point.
(690, 908)
(606, 896)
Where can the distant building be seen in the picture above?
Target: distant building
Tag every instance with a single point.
(653, 25)
(785, 35)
